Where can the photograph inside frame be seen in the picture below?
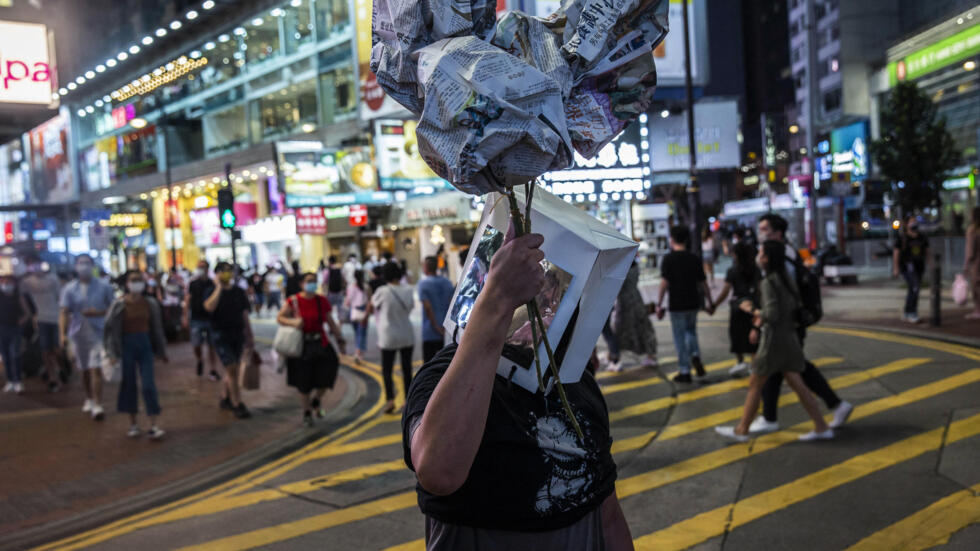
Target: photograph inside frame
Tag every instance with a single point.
(519, 334)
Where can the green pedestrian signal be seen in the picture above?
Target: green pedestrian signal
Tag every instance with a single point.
(226, 208)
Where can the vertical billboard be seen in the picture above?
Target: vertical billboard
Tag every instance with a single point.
(48, 149)
(374, 102)
(715, 133)
(14, 174)
(849, 151)
(25, 70)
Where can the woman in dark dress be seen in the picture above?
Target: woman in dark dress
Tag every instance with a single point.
(316, 369)
(742, 282)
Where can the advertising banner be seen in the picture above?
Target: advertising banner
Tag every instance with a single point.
(25, 71)
(316, 176)
(669, 55)
(374, 102)
(715, 133)
(617, 168)
(962, 45)
(400, 165)
(311, 220)
(14, 174)
(51, 178)
(849, 151)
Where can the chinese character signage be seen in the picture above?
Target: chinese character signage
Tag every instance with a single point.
(310, 220)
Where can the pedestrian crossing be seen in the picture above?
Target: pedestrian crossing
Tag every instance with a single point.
(366, 456)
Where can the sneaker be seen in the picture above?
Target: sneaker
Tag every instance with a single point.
(9, 387)
(225, 403)
(214, 376)
(88, 406)
(98, 413)
(133, 432)
(241, 412)
(155, 433)
(308, 418)
(739, 369)
(315, 405)
(683, 378)
(651, 363)
(18, 387)
(698, 366)
(762, 426)
(200, 369)
(841, 414)
(911, 318)
(53, 387)
(729, 432)
(814, 435)
(614, 367)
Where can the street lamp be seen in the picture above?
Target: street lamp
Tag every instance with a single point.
(794, 128)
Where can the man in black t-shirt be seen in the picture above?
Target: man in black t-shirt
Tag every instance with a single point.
(198, 320)
(229, 308)
(553, 491)
(682, 275)
(909, 259)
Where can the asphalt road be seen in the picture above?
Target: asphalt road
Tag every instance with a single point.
(901, 474)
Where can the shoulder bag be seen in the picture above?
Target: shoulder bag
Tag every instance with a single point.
(289, 340)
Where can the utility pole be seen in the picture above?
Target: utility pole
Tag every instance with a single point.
(693, 193)
(812, 93)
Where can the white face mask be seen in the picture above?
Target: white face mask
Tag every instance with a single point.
(200, 272)
(137, 287)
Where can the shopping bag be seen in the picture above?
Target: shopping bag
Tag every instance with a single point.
(250, 376)
(288, 341)
(585, 264)
(111, 372)
(960, 289)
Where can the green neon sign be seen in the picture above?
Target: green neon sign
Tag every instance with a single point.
(960, 46)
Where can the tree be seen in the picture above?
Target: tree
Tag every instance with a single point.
(915, 150)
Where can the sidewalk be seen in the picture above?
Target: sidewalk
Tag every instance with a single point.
(56, 462)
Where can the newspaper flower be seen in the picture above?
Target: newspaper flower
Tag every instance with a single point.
(502, 102)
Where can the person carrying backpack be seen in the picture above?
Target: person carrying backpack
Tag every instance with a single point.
(334, 287)
(773, 227)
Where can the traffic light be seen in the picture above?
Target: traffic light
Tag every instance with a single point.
(226, 208)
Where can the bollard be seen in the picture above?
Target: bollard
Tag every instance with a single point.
(937, 290)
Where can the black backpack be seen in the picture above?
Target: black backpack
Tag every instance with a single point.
(335, 281)
(808, 285)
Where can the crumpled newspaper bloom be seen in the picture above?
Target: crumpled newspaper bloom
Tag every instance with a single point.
(501, 102)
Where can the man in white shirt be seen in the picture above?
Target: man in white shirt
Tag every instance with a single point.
(44, 290)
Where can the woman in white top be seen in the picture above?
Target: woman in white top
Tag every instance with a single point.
(708, 256)
(394, 301)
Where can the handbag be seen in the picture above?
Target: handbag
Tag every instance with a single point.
(250, 377)
(960, 290)
(288, 341)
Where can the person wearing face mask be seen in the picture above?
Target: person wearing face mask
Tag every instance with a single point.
(14, 313)
(84, 303)
(133, 336)
(198, 320)
(316, 369)
(229, 308)
(909, 259)
(44, 289)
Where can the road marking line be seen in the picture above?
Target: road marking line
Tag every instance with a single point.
(712, 390)
(705, 462)
(417, 545)
(929, 527)
(957, 349)
(701, 423)
(611, 374)
(40, 412)
(290, 530)
(654, 380)
(693, 466)
(707, 525)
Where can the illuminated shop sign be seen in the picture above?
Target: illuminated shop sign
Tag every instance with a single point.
(849, 150)
(126, 220)
(25, 71)
(962, 45)
(619, 167)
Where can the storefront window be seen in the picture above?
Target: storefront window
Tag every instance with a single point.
(225, 131)
(338, 93)
(332, 16)
(225, 60)
(137, 152)
(261, 39)
(285, 111)
(298, 25)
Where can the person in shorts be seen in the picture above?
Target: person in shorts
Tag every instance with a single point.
(84, 304)
(198, 320)
(44, 289)
(229, 308)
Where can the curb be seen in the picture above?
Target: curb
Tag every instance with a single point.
(917, 333)
(359, 386)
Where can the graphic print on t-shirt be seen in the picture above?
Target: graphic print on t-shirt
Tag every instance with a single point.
(565, 459)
